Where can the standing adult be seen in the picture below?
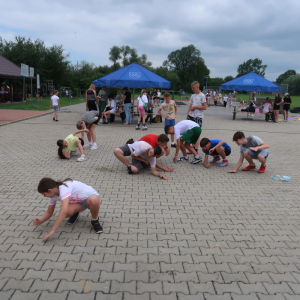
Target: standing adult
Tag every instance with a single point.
(197, 107)
(277, 102)
(91, 98)
(252, 104)
(286, 106)
(127, 105)
(158, 97)
(103, 97)
(154, 96)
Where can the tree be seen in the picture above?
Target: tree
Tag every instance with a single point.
(294, 84)
(188, 64)
(115, 55)
(228, 78)
(285, 76)
(49, 62)
(169, 75)
(217, 81)
(251, 65)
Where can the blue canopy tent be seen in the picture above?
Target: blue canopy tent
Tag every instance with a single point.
(251, 82)
(133, 76)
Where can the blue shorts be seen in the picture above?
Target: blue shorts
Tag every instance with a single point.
(169, 122)
(83, 203)
(254, 154)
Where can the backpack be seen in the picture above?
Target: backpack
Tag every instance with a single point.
(157, 119)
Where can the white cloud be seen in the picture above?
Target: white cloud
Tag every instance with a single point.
(226, 32)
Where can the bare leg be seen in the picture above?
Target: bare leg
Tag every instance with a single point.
(173, 137)
(248, 158)
(143, 118)
(262, 159)
(190, 148)
(93, 203)
(139, 118)
(93, 134)
(80, 148)
(221, 152)
(89, 133)
(120, 156)
(73, 209)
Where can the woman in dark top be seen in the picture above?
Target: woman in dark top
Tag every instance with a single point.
(127, 105)
(91, 98)
(252, 104)
(286, 106)
(277, 102)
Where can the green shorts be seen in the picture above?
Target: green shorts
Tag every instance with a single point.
(191, 136)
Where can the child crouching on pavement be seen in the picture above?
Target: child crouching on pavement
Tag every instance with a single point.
(216, 148)
(69, 145)
(74, 196)
(89, 120)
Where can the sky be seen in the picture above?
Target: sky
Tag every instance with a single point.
(227, 33)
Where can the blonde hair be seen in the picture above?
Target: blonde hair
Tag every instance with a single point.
(196, 83)
(92, 87)
(55, 92)
(79, 125)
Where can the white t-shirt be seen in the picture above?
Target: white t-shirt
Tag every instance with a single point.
(144, 98)
(267, 107)
(197, 100)
(54, 99)
(158, 94)
(76, 191)
(225, 99)
(112, 103)
(139, 148)
(181, 127)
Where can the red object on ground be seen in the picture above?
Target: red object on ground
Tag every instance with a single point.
(10, 115)
(262, 169)
(249, 168)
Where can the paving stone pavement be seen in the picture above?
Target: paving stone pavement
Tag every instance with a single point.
(203, 234)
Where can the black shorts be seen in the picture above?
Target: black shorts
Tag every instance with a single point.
(215, 102)
(82, 142)
(196, 120)
(227, 152)
(92, 105)
(276, 107)
(286, 106)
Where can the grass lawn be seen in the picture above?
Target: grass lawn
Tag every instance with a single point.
(44, 105)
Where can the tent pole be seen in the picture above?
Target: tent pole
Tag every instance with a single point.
(133, 103)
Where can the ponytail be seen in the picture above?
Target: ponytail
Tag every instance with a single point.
(47, 183)
(60, 149)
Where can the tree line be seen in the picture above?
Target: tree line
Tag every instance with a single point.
(181, 66)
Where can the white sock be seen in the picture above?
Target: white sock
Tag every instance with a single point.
(197, 156)
(173, 143)
(186, 157)
(83, 155)
(95, 144)
(89, 143)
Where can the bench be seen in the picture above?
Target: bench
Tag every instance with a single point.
(237, 105)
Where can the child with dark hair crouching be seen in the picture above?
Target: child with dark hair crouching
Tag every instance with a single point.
(251, 147)
(69, 144)
(74, 196)
(215, 148)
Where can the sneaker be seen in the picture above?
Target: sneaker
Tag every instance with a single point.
(249, 168)
(94, 147)
(183, 159)
(73, 219)
(137, 127)
(56, 120)
(96, 225)
(224, 164)
(216, 158)
(144, 128)
(105, 122)
(53, 119)
(262, 169)
(81, 158)
(87, 146)
(129, 170)
(173, 145)
(196, 160)
(275, 122)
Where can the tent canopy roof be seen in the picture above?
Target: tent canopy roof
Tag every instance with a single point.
(133, 76)
(9, 70)
(251, 82)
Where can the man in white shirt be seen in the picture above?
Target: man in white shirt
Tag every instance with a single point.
(143, 154)
(197, 107)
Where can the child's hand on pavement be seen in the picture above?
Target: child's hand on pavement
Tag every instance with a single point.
(46, 236)
(163, 177)
(232, 171)
(175, 159)
(207, 166)
(170, 169)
